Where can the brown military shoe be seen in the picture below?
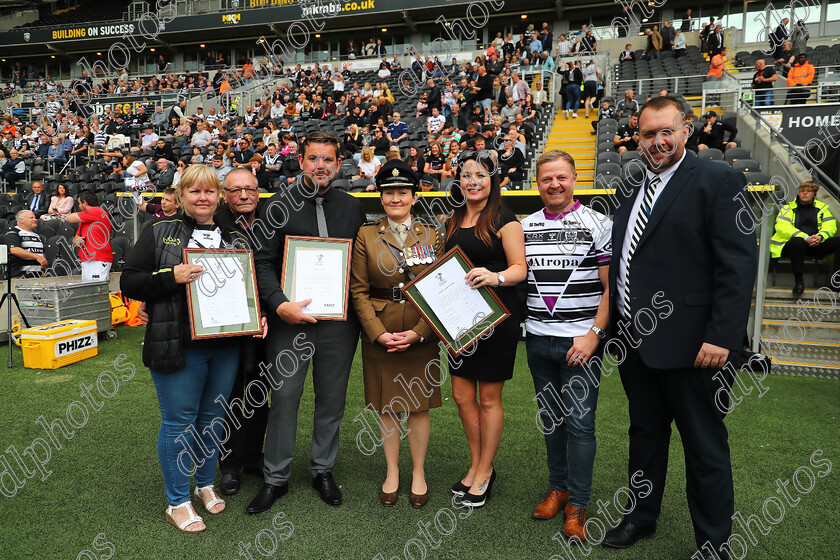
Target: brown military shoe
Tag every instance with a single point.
(575, 520)
(554, 501)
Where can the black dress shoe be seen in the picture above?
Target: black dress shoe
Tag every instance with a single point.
(798, 289)
(627, 534)
(266, 496)
(229, 484)
(327, 488)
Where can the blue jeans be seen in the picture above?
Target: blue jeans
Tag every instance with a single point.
(567, 397)
(573, 93)
(189, 407)
(763, 97)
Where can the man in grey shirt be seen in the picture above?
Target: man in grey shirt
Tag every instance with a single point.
(509, 111)
(201, 137)
(219, 167)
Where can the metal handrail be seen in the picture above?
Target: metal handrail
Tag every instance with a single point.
(831, 186)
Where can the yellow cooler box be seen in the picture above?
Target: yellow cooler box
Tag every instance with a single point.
(59, 344)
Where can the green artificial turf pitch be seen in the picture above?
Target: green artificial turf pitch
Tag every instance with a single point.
(104, 496)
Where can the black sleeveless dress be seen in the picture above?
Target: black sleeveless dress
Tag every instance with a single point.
(494, 356)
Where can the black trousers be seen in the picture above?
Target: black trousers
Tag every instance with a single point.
(247, 434)
(798, 96)
(686, 397)
(797, 249)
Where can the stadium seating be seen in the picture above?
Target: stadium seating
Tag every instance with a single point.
(83, 13)
(689, 71)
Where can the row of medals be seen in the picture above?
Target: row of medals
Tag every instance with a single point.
(422, 254)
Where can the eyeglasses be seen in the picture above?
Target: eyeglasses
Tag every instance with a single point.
(247, 191)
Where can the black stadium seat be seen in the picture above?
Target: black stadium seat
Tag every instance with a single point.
(341, 184)
(734, 154)
(756, 178)
(629, 156)
(609, 169)
(606, 146)
(710, 153)
(746, 166)
(608, 157)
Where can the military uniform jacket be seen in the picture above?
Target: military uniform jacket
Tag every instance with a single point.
(374, 264)
(379, 261)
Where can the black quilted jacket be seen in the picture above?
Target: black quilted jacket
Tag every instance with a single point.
(148, 276)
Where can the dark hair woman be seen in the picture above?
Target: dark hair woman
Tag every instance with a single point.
(493, 240)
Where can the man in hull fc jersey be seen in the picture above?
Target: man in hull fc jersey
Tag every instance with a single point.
(568, 248)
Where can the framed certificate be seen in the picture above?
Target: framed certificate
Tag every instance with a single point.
(456, 312)
(223, 300)
(318, 268)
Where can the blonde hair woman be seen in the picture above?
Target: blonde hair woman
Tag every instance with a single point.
(188, 374)
(368, 166)
(183, 128)
(387, 93)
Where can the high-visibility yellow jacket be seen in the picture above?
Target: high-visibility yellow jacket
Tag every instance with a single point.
(786, 226)
(801, 75)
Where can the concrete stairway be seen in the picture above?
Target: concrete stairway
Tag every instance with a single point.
(574, 136)
(802, 334)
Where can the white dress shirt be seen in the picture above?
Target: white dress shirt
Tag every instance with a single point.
(664, 178)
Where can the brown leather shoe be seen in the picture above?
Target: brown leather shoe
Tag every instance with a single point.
(418, 500)
(388, 499)
(575, 521)
(551, 505)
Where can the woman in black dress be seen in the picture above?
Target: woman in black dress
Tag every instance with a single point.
(493, 240)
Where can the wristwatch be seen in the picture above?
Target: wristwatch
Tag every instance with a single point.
(501, 279)
(600, 333)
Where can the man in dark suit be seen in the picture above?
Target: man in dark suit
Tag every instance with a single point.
(499, 93)
(715, 41)
(37, 200)
(311, 208)
(778, 37)
(681, 281)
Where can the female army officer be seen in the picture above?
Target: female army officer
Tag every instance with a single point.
(396, 342)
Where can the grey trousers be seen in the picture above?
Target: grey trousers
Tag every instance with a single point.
(330, 345)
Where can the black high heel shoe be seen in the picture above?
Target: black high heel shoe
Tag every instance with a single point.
(478, 501)
(459, 488)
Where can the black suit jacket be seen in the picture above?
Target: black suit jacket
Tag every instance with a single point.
(43, 203)
(715, 42)
(500, 96)
(693, 267)
(435, 98)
